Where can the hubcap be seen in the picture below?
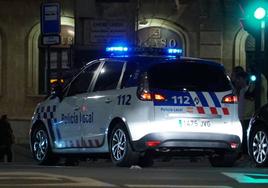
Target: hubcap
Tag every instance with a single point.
(260, 149)
(40, 145)
(118, 144)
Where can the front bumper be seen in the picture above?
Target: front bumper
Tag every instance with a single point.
(184, 141)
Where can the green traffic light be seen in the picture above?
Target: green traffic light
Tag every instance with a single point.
(259, 13)
(253, 78)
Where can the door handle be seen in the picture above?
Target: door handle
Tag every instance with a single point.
(108, 100)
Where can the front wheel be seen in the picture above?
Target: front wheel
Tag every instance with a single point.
(258, 146)
(121, 151)
(41, 148)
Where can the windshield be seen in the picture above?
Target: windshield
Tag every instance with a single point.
(188, 76)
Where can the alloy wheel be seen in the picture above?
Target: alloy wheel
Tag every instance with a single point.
(40, 145)
(119, 144)
(260, 147)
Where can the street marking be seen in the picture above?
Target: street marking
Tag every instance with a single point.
(21, 179)
(248, 177)
(179, 186)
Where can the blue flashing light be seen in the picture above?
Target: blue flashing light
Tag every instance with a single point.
(174, 51)
(117, 49)
(253, 78)
(123, 51)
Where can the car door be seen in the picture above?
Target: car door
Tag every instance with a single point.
(69, 110)
(101, 102)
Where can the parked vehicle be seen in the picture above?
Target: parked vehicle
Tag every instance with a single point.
(132, 105)
(257, 137)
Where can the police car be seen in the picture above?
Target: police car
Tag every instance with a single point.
(136, 103)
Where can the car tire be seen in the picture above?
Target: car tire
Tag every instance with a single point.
(224, 159)
(41, 148)
(258, 146)
(121, 151)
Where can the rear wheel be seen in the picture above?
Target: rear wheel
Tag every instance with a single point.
(41, 148)
(258, 146)
(121, 151)
(223, 159)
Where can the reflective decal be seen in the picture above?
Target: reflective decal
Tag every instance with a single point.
(124, 100)
(77, 118)
(215, 99)
(81, 143)
(195, 102)
(175, 98)
(202, 99)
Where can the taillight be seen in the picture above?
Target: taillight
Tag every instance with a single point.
(149, 96)
(145, 94)
(229, 99)
(159, 97)
(152, 143)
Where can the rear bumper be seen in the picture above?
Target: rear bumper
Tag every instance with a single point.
(187, 141)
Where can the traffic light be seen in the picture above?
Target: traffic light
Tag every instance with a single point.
(260, 13)
(255, 22)
(252, 78)
(255, 16)
(256, 10)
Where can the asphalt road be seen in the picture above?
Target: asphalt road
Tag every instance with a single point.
(176, 173)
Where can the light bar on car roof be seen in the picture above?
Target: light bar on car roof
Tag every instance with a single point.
(117, 49)
(174, 51)
(123, 50)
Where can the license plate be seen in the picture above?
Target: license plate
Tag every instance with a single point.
(194, 123)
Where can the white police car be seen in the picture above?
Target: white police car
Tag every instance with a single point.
(134, 104)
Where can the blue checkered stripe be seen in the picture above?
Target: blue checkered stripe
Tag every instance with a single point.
(47, 113)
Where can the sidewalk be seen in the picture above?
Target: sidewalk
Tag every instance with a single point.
(22, 153)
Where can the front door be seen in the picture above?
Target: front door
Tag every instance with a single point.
(70, 111)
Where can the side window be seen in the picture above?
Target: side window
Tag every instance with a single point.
(131, 75)
(81, 83)
(109, 76)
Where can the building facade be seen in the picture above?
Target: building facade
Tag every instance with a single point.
(21, 59)
(202, 28)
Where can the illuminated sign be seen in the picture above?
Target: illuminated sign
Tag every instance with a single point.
(50, 18)
(159, 37)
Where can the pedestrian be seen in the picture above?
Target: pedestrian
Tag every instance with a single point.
(6, 139)
(246, 105)
(236, 70)
(263, 86)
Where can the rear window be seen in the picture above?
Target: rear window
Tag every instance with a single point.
(188, 76)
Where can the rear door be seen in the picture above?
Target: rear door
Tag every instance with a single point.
(102, 101)
(194, 94)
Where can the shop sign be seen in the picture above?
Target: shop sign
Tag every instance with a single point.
(108, 31)
(159, 37)
(51, 39)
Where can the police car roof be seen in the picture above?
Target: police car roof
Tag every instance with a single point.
(152, 59)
